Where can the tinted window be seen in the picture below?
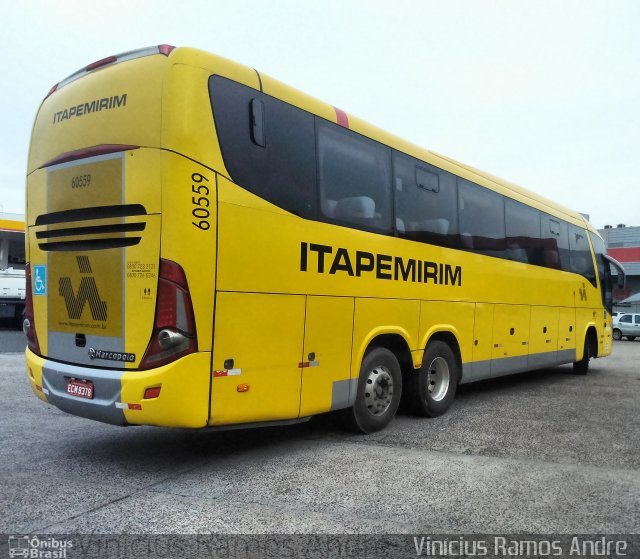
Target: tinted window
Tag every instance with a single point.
(354, 178)
(268, 146)
(426, 202)
(481, 219)
(554, 243)
(580, 253)
(625, 318)
(604, 270)
(523, 233)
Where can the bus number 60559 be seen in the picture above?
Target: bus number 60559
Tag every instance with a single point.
(200, 203)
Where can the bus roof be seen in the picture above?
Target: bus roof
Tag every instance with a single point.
(308, 103)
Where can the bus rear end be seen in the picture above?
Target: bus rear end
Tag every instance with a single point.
(110, 322)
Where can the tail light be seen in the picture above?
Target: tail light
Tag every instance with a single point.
(174, 330)
(29, 325)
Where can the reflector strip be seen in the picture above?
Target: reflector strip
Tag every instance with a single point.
(341, 116)
(41, 389)
(123, 406)
(306, 364)
(227, 373)
(152, 392)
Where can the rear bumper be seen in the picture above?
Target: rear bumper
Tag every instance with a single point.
(119, 394)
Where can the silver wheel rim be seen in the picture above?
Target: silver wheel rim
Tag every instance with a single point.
(438, 379)
(378, 391)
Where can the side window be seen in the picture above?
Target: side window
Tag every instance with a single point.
(555, 243)
(426, 202)
(268, 146)
(354, 178)
(604, 270)
(637, 320)
(625, 318)
(481, 219)
(580, 253)
(523, 233)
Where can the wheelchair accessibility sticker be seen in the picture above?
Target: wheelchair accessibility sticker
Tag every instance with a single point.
(40, 279)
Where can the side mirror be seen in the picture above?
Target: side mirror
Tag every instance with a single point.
(615, 264)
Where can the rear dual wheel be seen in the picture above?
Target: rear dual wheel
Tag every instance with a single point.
(431, 390)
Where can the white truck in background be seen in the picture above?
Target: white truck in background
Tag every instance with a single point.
(12, 295)
(12, 274)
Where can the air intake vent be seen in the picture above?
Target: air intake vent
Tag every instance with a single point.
(91, 230)
(86, 214)
(74, 237)
(92, 244)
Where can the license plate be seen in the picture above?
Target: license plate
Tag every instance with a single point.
(80, 388)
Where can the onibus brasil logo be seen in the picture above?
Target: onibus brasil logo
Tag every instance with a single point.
(39, 548)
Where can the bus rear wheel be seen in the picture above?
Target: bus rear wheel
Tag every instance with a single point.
(379, 391)
(432, 389)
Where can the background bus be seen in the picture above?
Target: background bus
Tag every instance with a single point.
(208, 246)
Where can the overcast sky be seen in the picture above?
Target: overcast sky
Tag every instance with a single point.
(543, 93)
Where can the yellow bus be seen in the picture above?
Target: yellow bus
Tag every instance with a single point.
(208, 247)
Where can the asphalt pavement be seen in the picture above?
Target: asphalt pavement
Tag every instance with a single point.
(541, 452)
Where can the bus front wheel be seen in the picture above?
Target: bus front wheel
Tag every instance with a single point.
(432, 389)
(379, 391)
(582, 367)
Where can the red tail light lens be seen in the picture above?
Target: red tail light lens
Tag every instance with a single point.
(29, 325)
(165, 49)
(174, 330)
(100, 63)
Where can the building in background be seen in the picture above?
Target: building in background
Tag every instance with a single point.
(623, 244)
(12, 265)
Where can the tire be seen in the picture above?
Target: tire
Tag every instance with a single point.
(582, 367)
(379, 392)
(430, 392)
(631, 338)
(617, 335)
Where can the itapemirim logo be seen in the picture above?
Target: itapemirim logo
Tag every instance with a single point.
(87, 292)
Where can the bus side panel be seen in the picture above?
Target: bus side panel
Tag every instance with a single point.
(586, 318)
(257, 355)
(510, 339)
(189, 233)
(566, 334)
(543, 347)
(326, 383)
(453, 317)
(374, 317)
(482, 343)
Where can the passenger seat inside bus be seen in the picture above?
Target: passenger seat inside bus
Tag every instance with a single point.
(356, 207)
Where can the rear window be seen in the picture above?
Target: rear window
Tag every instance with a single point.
(268, 146)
